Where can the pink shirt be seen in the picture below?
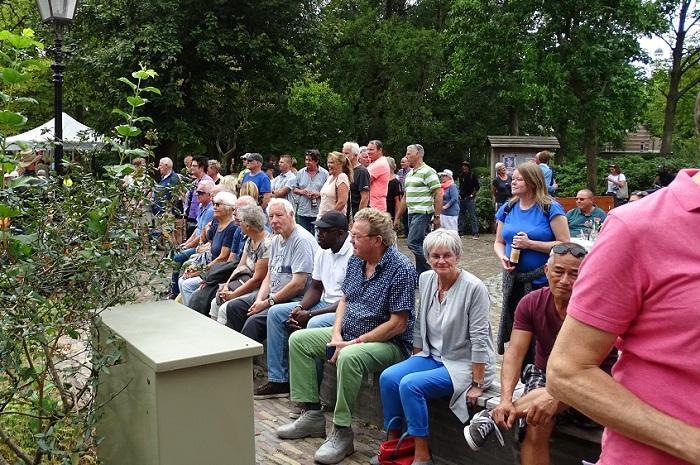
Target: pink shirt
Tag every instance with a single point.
(641, 282)
(378, 183)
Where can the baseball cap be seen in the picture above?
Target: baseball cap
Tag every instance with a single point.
(332, 220)
(254, 156)
(446, 173)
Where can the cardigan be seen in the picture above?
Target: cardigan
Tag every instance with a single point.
(466, 333)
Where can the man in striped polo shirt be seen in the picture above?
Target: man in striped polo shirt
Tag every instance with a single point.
(424, 200)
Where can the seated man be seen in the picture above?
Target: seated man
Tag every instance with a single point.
(373, 329)
(289, 272)
(585, 215)
(539, 314)
(316, 309)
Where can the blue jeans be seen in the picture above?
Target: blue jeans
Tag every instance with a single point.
(417, 227)
(467, 212)
(178, 259)
(306, 222)
(278, 337)
(406, 388)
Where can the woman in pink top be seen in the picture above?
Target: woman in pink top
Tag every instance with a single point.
(335, 193)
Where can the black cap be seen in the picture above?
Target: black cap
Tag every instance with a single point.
(465, 162)
(254, 156)
(332, 220)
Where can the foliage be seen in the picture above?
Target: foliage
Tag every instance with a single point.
(68, 249)
(485, 207)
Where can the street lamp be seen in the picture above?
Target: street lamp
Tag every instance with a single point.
(59, 13)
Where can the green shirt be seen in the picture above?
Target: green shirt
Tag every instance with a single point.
(419, 185)
(579, 222)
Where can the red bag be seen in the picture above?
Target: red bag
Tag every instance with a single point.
(399, 451)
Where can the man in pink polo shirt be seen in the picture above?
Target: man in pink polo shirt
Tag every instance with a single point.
(639, 288)
(378, 175)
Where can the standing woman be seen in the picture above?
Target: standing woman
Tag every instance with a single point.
(453, 352)
(449, 216)
(617, 185)
(335, 192)
(394, 190)
(500, 186)
(531, 223)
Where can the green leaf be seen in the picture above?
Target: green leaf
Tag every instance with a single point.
(155, 90)
(11, 118)
(8, 212)
(4, 97)
(136, 101)
(128, 82)
(121, 113)
(136, 153)
(128, 131)
(12, 76)
(148, 119)
(26, 100)
(144, 74)
(22, 181)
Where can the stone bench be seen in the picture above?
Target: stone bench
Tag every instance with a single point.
(569, 445)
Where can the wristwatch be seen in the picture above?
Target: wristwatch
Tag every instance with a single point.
(478, 385)
(270, 300)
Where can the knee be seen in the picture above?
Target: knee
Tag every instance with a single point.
(539, 436)
(410, 386)
(278, 314)
(296, 339)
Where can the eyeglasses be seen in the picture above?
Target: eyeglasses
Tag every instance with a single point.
(576, 250)
(437, 257)
(201, 192)
(221, 204)
(355, 237)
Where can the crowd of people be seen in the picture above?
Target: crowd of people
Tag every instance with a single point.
(308, 262)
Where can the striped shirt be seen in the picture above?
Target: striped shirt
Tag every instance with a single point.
(420, 184)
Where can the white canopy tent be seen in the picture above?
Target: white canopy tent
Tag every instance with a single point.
(76, 136)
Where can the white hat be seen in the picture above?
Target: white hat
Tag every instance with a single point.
(446, 173)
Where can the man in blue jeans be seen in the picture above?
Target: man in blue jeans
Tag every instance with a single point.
(468, 187)
(316, 309)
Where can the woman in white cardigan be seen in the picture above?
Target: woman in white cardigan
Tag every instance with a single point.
(453, 351)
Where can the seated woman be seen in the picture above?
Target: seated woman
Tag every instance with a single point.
(220, 234)
(253, 262)
(453, 352)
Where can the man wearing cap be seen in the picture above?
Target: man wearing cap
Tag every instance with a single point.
(585, 215)
(187, 249)
(468, 187)
(317, 307)
(423, 198)
(450, 201)
(259, 178)
(283, 184)
(310, 180)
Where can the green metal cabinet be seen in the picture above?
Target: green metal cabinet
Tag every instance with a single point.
(181, 394)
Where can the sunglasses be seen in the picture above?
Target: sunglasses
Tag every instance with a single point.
(201, 192)
(576, 250)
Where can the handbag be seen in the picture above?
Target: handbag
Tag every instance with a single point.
(622, 192)
(399, 451)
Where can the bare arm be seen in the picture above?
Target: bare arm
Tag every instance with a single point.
(574, 376)
(400, 209)
(254, 282)
(222, 258)
(364, 199)
(342, 197)
(396, 326)
(437, 205)
(265, 200)
(499, 247)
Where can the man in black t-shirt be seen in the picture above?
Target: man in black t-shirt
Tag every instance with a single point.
(359, 188)
(468, 187)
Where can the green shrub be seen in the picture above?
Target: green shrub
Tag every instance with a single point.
(485, 208)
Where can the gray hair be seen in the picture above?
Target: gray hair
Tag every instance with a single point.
(227, 199)
(354, 148)
(167, 161)
(215, 164)
(392, 163)
(245, 200)
(443, 238)
(418, 148)
(288, 207)
(253, 216)
(229, 183)
(205, 185)
(379, 223)
(363, 148)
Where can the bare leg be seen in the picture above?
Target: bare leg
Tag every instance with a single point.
(422, 449)
(535, 447)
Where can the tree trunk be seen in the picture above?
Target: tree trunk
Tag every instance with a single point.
(563, 136)
(514, 118)
(590, 149)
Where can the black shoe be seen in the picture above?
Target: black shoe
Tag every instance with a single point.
(479, 429)
(272, 390)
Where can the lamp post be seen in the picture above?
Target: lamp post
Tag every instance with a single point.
(59, 13)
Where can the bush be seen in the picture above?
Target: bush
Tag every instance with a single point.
(485, 208)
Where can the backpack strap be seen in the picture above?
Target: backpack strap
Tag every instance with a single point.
(511, 203)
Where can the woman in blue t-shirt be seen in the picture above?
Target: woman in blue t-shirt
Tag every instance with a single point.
(533, 222)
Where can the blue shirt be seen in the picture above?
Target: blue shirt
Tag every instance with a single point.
(220, 238)
(371, 301)
(538, 228)
(204, 217)
(548, 173)
(238, 242)
(261, 181)
(450, 199)
(162, 193)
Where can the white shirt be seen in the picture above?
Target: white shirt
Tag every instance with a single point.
(330, 268)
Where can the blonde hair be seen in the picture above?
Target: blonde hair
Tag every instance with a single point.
(345, 165)
(229, 183)
(249, 188)
(380, 224)
(534, 180)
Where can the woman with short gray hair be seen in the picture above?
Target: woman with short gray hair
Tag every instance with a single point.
(453, 352)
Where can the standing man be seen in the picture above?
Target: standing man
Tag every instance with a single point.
(584, 216)
(468, 187)
(214, 171)
(198, 172)
(373, 329)
(283, 184)
(378, 175)
(401, 175)
(316, 309)
(639, 289)
(162, 193)
(423, 198)
(258, 177)
(542, 160)
(359, 187)
(310, 180)
(363, 158)
(186, 169)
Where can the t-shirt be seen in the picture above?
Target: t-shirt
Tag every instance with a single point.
(262, 252)
(578, 221)
(261, 180)
(612, 187)
(294, 255)
(330, 268)
(328, 191)
(548, 177)
(538, 228)
(360, 183)
(537, 314)
(641, 282)
(394, 190)
(419, 185)
(204, 217)
(502, 189)
(378, 183)
(306, 206)
(220, 237)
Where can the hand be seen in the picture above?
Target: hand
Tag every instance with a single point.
(299, 318)
(506, 264)
(436, 222)
(542, 410)
(225, 295)
(522, 241)
(397, 223)
(473, 394)
(258, 307)
(504, 414)
(339, 344)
